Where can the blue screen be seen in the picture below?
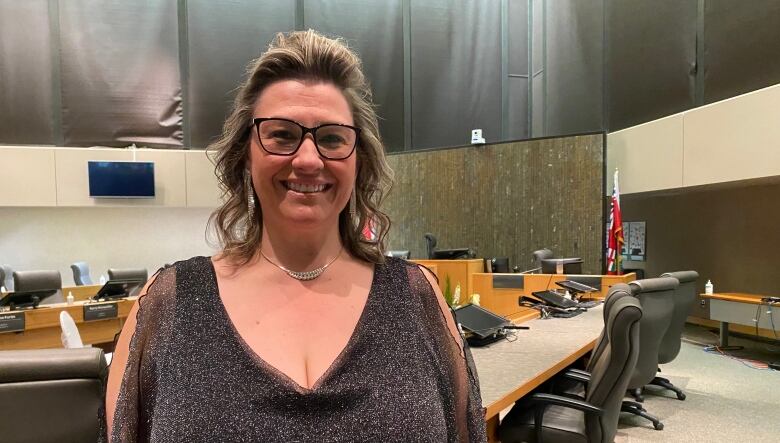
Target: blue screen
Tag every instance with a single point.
(121, 179)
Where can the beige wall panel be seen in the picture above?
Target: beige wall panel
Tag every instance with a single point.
(27, 177)
(148, 237)
(73, 179)
(734, 139)
(648, 156)
(170, 178)
(202, 186)
(503, 200)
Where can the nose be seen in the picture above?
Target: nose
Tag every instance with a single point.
(307, 158)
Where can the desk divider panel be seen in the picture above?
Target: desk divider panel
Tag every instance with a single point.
(503, 200)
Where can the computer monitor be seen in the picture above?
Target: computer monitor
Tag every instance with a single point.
(499, 265)
(26, 299)
(114, 289)
(569, 265)
(451, 254)
(479, 321)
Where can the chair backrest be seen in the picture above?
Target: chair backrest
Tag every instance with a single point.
(7, 279)
(71, 339)
(52, 394)
(430, 244)
(615, 293)
(499, 264)
(399, 254)
(614, 368)
(81, 273)
(40, 281)
(125, 274)
(684, 299)
(656, 295)
(541, 254)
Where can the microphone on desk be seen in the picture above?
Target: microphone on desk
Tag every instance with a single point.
(516, 327)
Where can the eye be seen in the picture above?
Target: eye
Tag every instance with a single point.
(283, 135)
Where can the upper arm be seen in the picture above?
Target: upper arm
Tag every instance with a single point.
(445, 308)
(120, 358)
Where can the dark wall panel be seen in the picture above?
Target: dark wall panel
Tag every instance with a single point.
(728, 233)
(505, 200)
(651, 59)
(374, 28)
(224, 36)
(456, 71)
(741, 47)
(574, 71)
(120, 73)
(25, 73)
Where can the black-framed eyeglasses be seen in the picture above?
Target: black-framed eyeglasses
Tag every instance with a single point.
(279, 136)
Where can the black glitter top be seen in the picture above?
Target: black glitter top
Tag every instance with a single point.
(190, 377)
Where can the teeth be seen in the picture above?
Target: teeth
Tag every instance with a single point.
(305, 188)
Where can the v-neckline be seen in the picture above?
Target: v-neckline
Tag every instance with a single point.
(277, 373)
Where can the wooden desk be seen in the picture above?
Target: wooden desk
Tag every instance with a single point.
(459, 271)
(499, 292)
(509, 370)
(42, 326)
(741, 308)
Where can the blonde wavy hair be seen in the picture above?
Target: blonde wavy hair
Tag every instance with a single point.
(308, 56)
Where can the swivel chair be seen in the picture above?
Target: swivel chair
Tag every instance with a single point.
(6, 278)
(557, 418)
(54, 395)
(128, 274)
(444, 254)
(40, 281)
(541, 254)
(656, 295)
(684, 299)
(399, 254)
(81, 273)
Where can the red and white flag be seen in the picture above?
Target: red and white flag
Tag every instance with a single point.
(615, 232)
(369, 230)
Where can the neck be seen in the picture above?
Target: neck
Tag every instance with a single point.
(301, 250)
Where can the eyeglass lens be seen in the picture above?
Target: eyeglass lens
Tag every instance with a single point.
(283, 137)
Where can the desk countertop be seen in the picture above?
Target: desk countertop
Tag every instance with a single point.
(509, 370)
(739, 297)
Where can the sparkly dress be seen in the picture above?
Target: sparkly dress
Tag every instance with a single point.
(190, 377)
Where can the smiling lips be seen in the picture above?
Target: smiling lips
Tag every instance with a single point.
(306, 188)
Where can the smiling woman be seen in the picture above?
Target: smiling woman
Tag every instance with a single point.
(300, 329)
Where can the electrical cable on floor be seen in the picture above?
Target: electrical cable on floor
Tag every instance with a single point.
(716, 350)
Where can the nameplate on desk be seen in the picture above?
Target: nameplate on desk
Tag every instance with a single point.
(12, 322)
(100, 311)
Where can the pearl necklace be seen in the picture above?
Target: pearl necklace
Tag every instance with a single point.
(304, 275)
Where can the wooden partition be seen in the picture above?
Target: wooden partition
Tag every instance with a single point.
(499, 293)
(503, 200)
(459, 271)
(42, 326)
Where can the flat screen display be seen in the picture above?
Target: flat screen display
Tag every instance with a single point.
(121, 179)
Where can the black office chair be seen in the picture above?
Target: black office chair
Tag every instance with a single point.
(399, 254)
(444, 254)
(81, 273)
(656, 295)
(499, 264)
(128, 274)
(684, 299)
(40, 281)
(558, 418)
(53, 395)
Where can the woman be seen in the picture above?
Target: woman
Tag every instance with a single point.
(299, 330)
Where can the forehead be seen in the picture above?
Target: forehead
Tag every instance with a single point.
(307, 102)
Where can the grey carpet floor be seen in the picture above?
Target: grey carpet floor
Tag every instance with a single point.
(727, 401)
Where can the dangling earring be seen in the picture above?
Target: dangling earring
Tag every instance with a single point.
(250, 196)
(353, 203)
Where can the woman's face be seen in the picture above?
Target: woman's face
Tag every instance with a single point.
(303, 190)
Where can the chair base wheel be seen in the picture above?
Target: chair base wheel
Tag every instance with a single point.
(658, 426)
(681, 396)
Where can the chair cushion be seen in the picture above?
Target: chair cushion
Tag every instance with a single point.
(518, 425)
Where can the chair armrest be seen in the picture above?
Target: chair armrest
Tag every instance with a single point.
(577, 375)
(540, 402)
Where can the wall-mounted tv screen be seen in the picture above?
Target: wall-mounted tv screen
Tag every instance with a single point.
(121, 179)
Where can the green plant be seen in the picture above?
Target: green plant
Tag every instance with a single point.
(448, 297)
